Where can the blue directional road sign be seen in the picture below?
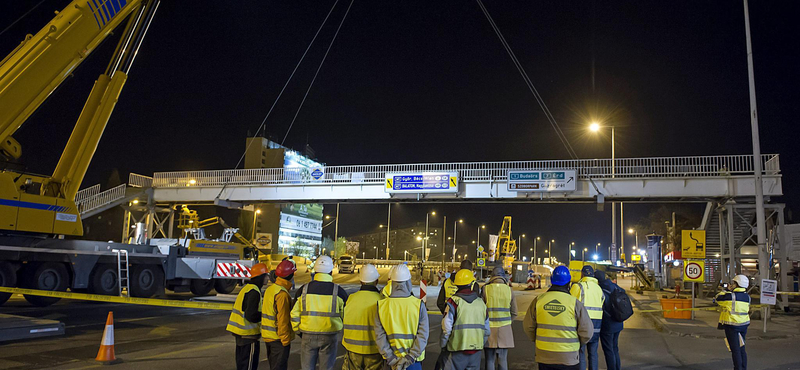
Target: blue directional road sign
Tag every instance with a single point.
(421, 182)
(318, 173)
(541, 181)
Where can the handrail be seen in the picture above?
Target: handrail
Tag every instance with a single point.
(88, 192)
(101, 199)
(596, 169)
(140, 181)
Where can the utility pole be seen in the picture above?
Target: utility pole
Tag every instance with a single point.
(444, 232)
(763, 267)
(388, 222)
(336, 230)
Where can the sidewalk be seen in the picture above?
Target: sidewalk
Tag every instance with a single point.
(779, 326)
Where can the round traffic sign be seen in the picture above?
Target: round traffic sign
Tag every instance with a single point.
(693, 270)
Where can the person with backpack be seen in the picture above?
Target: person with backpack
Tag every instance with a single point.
(614, 311)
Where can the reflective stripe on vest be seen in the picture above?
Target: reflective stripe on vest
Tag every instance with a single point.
(449, 289)
(237, 324)
(400, 320)
(735, 313)
(319, 314)
(556, 323)
(592, 298)
(469, 326)
(359, 316)
(269, 317)
(498, 301)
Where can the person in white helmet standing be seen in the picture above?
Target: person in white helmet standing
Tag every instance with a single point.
(317, 317)
(401, 325)
(359, 317)
(734, 318)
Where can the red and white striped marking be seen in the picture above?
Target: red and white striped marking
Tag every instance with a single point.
(232, 269)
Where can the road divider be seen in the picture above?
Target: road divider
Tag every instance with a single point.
(115, 299)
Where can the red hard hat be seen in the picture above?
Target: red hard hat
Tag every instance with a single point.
(258, 269)
(285, 268)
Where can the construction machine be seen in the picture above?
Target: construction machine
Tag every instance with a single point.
(501, 252)
(37, 212)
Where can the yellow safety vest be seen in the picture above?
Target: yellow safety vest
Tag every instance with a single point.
(556, 323)
(387, 290)
(269, 318)
(469, 327)
(237, 324)
(591, 295)
(449, 289)
(359, 318)
(316, 313)
(735, 313)
(498, 301)
(400, 319)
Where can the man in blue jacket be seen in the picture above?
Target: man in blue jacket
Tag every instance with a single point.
(610, 328)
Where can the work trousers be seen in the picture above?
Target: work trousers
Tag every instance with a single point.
(497, 356)
(558, 367)
(357, 361)
(610, 342)
(738, 352)
(440, 361)
(460, 360)
(278, 355)
(318, 348)
(590, 351)
(247, 355)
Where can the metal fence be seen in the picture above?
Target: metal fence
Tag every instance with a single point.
(101, 199)
(140, 181)
(598, 169)
(86, 193)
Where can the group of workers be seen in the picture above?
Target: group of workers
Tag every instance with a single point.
(388, 329)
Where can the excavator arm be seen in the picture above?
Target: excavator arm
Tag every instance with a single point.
(30, 73)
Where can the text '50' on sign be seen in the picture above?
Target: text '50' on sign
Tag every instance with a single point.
(421, 182)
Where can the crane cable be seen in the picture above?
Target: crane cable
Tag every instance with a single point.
(531, 87)
(20, 18)
(274, 103)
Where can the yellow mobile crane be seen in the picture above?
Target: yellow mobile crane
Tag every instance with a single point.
(35, 210)
(503, 252)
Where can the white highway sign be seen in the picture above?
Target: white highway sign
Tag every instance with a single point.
(541, 181)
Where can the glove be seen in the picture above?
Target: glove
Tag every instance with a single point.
(404, 363)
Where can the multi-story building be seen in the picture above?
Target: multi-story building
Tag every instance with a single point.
(404, 243)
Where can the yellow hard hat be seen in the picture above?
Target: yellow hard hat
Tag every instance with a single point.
(464, 277)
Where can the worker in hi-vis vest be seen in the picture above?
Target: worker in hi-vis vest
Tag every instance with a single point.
(588, 292)
(276, 316)
(317, 316)
(734, 318)
(448, 289)
(502, 308)
(245, 319)
(387, 289)
(359, 318)
(401, 326)
(465, 325)
(558, 324)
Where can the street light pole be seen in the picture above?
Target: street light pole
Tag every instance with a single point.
(255, 215)
(336, 228)
(388, 224)
(455, 231)
(519, 247)
(534, 249)
(444, 233)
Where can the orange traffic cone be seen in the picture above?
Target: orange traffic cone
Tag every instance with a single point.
(106, 352)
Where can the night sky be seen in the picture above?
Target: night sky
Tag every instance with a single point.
(428, 81)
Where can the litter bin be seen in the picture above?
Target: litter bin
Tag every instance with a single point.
(671, 304)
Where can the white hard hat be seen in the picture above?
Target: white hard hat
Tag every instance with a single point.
(400, 273)
(368, 274)
(742, 281)
(391, 270)
(323, 264)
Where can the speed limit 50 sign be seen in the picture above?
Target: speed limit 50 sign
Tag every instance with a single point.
(694, 270)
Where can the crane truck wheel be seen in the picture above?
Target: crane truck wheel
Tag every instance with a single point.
(146, 280)
(104, 280)
(8, 278)
(201, 287)
(225, 286)
(45, 276)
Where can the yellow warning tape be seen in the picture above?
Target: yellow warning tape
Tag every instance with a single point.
(713, 308)
(113, 299)
(789, 293)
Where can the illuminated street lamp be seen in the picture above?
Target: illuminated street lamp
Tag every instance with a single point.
(255, 215)
(583, 255)
(595, 127)
(519, 246)
(455, 232)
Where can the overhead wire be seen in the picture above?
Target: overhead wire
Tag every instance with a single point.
(20, 18)
(274, 103)
(561, 136)
(317, 72)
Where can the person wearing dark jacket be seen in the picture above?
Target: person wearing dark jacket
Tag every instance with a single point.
(245, 319)
(465, 326)
(610, 328)
(449, 289)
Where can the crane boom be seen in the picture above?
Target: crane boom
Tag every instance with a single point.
(30, 73)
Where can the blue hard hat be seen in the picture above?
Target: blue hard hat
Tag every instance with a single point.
(560, 276)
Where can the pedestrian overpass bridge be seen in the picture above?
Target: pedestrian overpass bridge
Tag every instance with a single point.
(658, 179)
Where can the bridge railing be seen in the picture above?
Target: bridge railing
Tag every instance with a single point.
(86, 193)
(140, 181)
(598, 169)
(101, 199)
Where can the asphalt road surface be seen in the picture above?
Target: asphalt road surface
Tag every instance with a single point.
(177, 338)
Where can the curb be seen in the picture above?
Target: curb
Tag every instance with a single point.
(662, 326)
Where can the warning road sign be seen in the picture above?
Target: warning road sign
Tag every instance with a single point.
(693, 244)
(694, 271)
